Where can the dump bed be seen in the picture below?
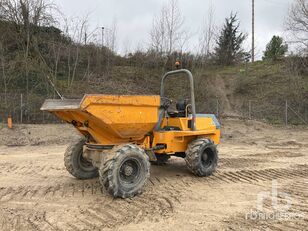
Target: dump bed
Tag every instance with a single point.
(56, 104)
(109, 118)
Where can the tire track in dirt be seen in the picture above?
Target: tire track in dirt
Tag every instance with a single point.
(277, 155)
(238, 162)
(28, 168)
(254, 176)
(157, 202)
(298, 190)
(81, 189)
(94, 216)
(121, 212)
(16, 219)
(161, 197)
(295, 217)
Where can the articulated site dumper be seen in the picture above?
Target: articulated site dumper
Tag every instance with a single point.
(122, 134)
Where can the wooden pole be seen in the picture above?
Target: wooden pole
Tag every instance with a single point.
(217, 108)
(286, 113)
(249, 109)
(9, 122)
(21, 102)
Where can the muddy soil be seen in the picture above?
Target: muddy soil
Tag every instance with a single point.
(36, 192)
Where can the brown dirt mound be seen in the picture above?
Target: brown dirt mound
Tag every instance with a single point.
(22, 135)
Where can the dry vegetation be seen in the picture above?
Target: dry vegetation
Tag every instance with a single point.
(37, 57)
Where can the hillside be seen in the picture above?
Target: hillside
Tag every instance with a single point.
(266, 85)
(33, 57)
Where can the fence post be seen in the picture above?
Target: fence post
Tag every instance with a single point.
(286, 113)
(21, 96)
(217, 108)
(249, 110)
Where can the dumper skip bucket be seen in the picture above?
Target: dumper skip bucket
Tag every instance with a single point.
(109, 119)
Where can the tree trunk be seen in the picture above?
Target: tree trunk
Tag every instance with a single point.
(4, 82)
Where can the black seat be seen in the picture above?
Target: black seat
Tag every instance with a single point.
(180, 109)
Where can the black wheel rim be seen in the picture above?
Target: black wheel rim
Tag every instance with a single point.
(207, 158)
(129, 172)
(84, 164)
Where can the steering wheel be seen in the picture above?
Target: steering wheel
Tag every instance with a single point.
(166, 102)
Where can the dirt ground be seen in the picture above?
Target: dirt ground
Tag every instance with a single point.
(36, 192)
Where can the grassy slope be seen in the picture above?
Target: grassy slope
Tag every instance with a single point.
(267, 85)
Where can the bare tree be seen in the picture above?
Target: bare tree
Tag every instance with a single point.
(4, 75)
(167, 34)
(207, 36)
(111, 36)
(297, 23)
(28, 12)
(174, 22)
(127, 47)
(79, 35)
(158, 32)
(75, 28)
(110, 43)
(56, 48)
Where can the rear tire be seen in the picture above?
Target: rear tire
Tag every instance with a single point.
(76, 165)
(126, 174)
(202, 157)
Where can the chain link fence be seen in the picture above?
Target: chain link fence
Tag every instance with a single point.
(23, 113)
(279, 112)
(286, 112)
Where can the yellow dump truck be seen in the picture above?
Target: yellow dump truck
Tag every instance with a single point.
(122, 134)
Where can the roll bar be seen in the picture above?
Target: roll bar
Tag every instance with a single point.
(192, 91)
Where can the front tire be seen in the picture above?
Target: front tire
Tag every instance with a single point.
(126, 174)
(202, 157)
(76, 165)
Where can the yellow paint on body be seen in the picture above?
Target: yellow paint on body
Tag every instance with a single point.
(177, 141)
(113, 120)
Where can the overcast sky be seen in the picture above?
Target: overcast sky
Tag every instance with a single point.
(134, 17)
